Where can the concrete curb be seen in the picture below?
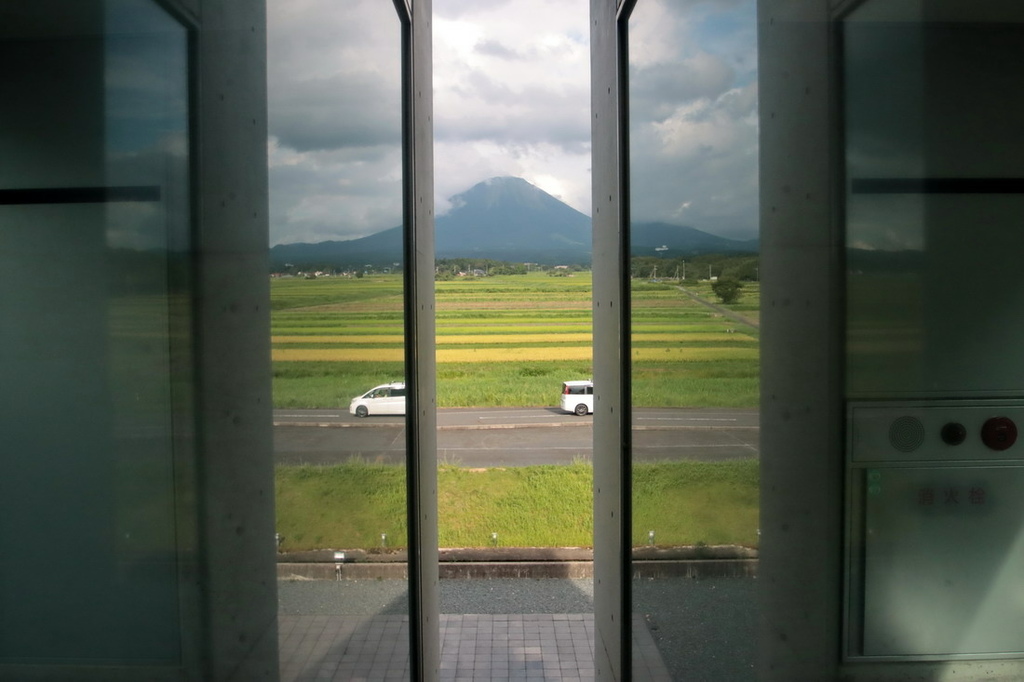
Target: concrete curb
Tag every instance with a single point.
(698, 568)
(452, 427)
(521, 562)
(491, 427)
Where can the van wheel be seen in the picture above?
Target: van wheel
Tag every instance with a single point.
(361, 411)
(581, 410)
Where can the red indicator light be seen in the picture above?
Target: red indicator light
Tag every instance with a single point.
(999, 433)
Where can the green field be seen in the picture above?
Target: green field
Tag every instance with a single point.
(685, 503)
(507, 341)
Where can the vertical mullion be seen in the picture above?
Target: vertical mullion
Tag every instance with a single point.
(625, 418)
(612, 492)
(420, 366)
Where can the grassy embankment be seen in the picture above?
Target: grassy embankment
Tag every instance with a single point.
(510, 342)
(350, 505)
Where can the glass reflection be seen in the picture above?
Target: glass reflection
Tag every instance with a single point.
(931, 197)
(97, 371)
(694, 330)
(338, 335)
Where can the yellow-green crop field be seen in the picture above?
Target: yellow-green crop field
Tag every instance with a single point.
(508, 341)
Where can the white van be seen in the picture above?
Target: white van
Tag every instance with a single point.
(386, 399)
(578, 397)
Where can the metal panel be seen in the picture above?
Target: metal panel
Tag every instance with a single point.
(949, 431)
(611, 351)
(933, 546)
(943, 553)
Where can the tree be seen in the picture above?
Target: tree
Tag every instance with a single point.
(727, 289)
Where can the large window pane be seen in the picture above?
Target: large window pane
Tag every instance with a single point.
(692, 104)
(338, 337)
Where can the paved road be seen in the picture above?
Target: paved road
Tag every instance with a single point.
(488, 437)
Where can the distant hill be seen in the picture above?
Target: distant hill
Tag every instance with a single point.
(506, 219)
(668, 241)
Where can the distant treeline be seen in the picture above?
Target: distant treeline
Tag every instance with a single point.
(444, 268)
(741, 267)
(448, 268)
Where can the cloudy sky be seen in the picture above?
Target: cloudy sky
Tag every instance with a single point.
(511, 97)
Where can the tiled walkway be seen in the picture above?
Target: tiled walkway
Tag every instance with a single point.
(473, 647)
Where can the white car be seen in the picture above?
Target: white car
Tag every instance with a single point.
(385, 399)
(578, 397)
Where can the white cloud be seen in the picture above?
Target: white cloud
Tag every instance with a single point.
(693, 115)
(511, 97)
(334, 77)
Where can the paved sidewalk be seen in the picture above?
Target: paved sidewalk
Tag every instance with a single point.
(473, 647)
(705, 629)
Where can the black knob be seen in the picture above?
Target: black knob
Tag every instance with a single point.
(954, 433)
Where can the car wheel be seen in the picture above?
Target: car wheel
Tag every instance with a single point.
(581, 410)
(361, 411)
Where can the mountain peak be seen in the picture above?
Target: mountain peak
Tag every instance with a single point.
(504, 191)
(509, 218)
(500, 180)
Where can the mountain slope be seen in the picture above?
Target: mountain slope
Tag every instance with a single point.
(510, 219)
(650, 239)
(507, 219)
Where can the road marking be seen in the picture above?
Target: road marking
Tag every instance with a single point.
(686, 419)
(746, 446)
(525, 416)
(587, 448)
(307, 415)
(577, 448)
(517, 414)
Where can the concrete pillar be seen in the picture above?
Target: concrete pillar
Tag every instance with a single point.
(236, 467)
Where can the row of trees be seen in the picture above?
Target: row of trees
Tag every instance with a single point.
(450, 268)
(740, 267)
(728, 271)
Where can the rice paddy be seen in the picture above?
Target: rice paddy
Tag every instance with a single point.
(507, 341)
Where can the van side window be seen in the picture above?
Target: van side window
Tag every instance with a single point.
(398, 392)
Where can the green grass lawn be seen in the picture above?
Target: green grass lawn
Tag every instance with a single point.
(351, 505)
